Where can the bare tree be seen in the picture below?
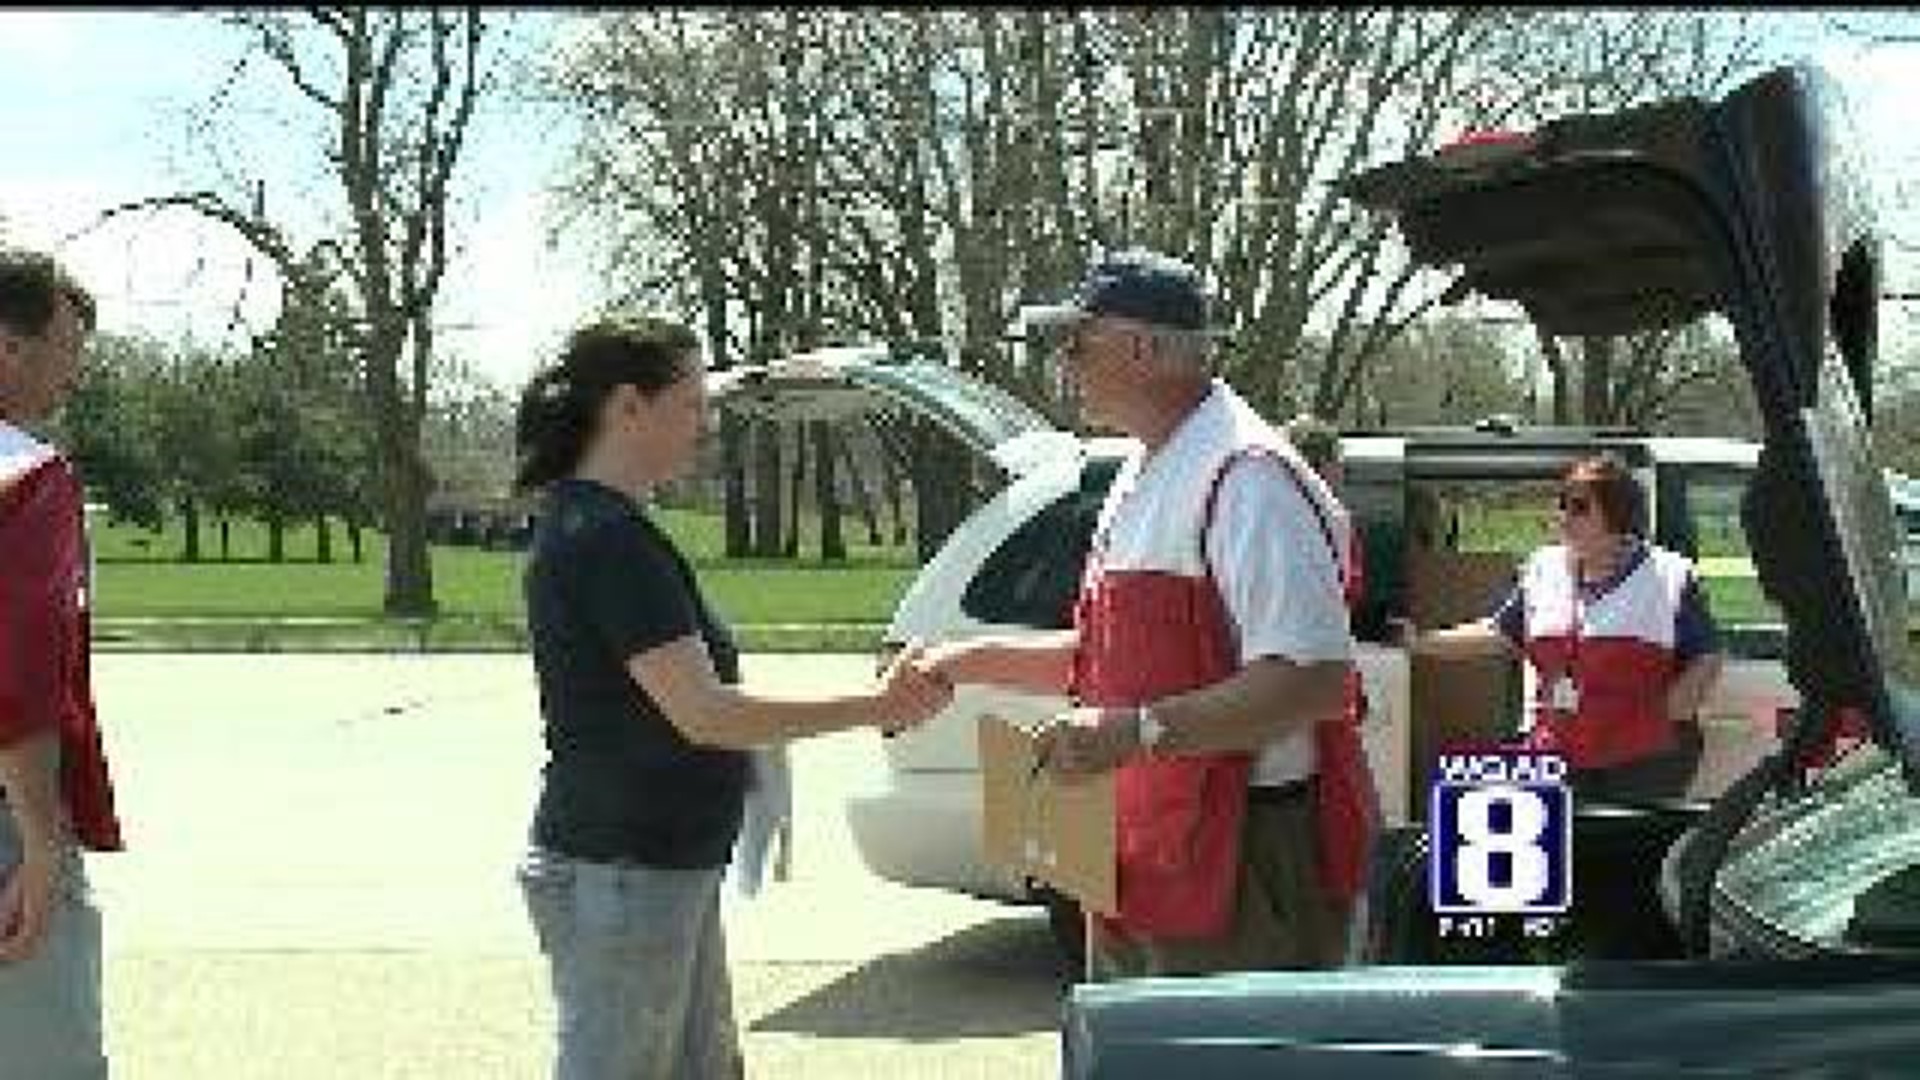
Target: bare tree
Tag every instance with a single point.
(918, 174)
(395, 90)
(1598, 61)
(687, 142)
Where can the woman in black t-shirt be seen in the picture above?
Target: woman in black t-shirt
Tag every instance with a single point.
(642, 792)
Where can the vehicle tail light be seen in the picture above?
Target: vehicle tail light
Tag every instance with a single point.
(1477, 149)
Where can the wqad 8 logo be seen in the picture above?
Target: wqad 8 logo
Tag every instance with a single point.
(1500, 834)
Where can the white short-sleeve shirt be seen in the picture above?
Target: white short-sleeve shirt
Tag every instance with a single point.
(1270, 558)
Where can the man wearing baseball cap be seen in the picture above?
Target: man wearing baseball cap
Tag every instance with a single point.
(1209, 638)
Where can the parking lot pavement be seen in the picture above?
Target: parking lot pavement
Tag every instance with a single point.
(318, 885)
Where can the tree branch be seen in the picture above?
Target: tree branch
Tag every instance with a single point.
(275, 38)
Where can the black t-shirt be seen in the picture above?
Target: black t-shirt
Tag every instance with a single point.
(621, 783)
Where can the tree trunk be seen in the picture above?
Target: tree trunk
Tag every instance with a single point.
(323, 539)
(862, 495)
(733, 429)
(833, 546)
(409, 569)
(354, 540)
(190, 518)
(226, 540)
(276, 538)
(1556, 360)
(940, 487)
(409, 576)
(890, 479)
(768, 530)
(796, 488)
(1596, 379)
(733, 472)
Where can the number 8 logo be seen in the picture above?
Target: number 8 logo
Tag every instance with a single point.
(1473, 861)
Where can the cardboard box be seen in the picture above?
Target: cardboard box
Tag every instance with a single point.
(1037, 826)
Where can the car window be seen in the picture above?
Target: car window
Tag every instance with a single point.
(982, 414)
(1906, 514)
(1031, 579)
(1373, 495)
(1711, 533)
(1506, 516)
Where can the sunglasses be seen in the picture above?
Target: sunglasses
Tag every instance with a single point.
(1573, 504)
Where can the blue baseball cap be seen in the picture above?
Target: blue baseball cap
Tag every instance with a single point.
(1140, 285)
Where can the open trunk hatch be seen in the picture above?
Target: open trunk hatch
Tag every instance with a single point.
(1751, 207)
(841, 383)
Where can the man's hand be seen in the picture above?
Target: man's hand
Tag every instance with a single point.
(911, 692)
(26, 908)
(961, 661)
(30, 777)
(1086, 742)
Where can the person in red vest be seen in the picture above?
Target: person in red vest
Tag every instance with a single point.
(1620, 646)
(1209, 637)
(57, 796)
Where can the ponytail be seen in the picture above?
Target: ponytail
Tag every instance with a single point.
(550, 430)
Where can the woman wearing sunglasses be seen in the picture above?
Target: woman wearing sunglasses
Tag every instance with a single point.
(1619, 644)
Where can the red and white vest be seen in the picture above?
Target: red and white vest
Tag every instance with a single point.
(1617, 649)
(45, 684)
(1152, 624)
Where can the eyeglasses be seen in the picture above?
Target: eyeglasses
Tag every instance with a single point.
(1078, 344)
(1574, 505)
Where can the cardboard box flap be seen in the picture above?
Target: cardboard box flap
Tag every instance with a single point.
(1037, 826)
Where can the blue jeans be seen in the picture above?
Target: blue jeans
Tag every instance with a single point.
(50, 1002)
(639, 969)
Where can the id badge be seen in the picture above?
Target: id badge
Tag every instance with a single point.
(1563, 696)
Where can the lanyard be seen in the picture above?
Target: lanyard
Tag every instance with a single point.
(1577, 614)
(1578, 603)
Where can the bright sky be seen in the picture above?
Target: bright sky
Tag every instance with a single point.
(96, 113)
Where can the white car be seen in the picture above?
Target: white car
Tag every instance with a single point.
(1443, 513)
(1905, 494)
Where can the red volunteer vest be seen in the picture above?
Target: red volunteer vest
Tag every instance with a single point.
(1616, 647)
(44, 630)
(1346, 802)
(1145, 635)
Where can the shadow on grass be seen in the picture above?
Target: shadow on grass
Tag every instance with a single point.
(310, 634)
(214, 562)
(456, 633)
(998, 978)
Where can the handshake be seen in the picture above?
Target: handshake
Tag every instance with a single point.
(919, 682)
(913, 688)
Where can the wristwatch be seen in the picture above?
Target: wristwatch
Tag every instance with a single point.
(1147, 730)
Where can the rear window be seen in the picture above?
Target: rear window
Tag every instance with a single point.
(1031, 579)
(1713, 536)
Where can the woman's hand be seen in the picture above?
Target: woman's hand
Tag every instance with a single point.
(912, 690)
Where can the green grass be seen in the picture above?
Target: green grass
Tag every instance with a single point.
(244, 603)
(146, 598)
